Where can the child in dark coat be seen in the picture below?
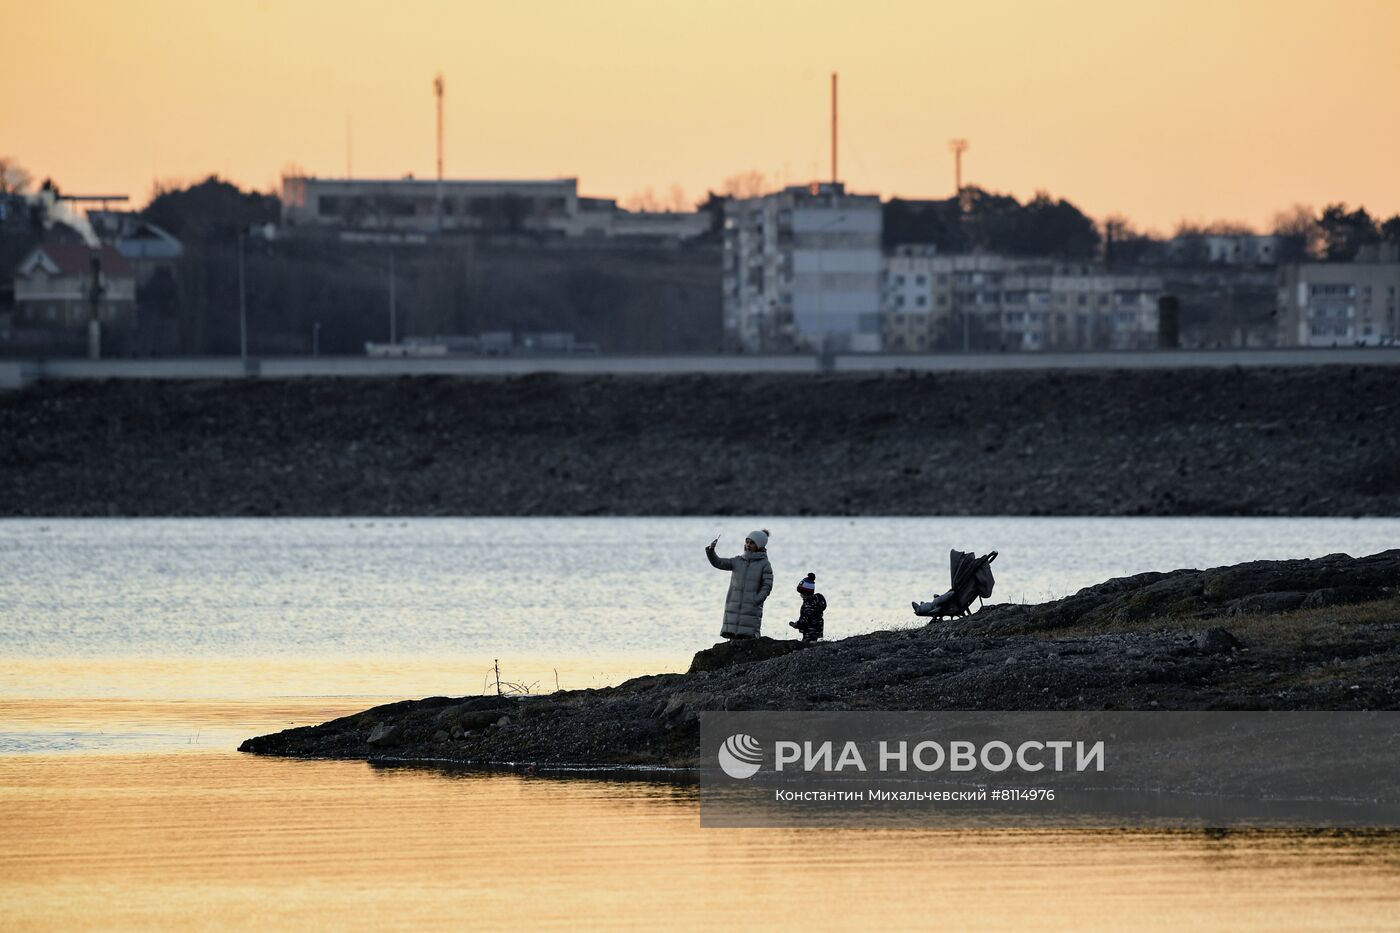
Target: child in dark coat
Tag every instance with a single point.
(809, 621)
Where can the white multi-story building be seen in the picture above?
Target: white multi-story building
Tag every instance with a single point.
(1244, 249)
(802, 270)
(1323, 304)
(980, 302)
(548, 207)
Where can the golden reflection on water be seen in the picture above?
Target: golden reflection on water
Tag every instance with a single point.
(223, 840)
(172, 828)
(383, 676)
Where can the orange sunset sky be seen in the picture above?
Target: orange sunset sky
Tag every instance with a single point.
(1158, 110)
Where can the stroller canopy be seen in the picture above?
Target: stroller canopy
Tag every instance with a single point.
(971, 578)
(966, 566)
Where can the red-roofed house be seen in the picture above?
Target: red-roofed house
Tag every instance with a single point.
(53, 285)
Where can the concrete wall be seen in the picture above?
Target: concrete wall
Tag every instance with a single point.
(16, 374)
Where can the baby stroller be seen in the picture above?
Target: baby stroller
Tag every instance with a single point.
(972, 578)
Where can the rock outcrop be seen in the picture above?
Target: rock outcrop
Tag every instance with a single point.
(1188, 639)
(730, 653)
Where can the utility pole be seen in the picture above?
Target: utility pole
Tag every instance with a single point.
(393, 303)
(96, 290)
(438, 90)
(95, 306)
(835, 174)
(958, 147)
(242, 301)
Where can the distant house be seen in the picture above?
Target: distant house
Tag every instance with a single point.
(53, 285)
(143, 244)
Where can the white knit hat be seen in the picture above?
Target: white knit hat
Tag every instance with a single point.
(759, 537)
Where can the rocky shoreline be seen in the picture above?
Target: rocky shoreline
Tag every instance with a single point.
(1268, 635)
(1291, 441)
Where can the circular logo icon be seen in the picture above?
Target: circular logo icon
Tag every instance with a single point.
(740, 756)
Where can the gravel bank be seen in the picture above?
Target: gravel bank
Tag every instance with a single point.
(1296, 441)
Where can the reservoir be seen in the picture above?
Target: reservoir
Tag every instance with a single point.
(136, 654)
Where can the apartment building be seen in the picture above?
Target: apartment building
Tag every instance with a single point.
(802, 270)
(990, 302)
(1323, 304)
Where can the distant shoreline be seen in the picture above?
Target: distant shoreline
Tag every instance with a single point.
(1296, 441)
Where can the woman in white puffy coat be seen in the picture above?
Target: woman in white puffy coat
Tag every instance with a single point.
(750, 582)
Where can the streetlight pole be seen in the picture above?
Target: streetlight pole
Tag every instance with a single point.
(95, 291)
(393, 303)
(242, 302)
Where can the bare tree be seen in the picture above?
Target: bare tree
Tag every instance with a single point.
(676, 200)
(750, 184)
(1229, 228)
(1299, 232)
(649, 200)
(645, 200)
(1125, 244)
(14, 178)
(1189, 243)
(1298, 220)
(1118, 227)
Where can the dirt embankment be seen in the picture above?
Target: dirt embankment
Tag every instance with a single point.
(1296, 441)
(1270, 635)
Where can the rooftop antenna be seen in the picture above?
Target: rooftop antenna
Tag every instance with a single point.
(958, 147)
(834, 173)
(438, 90)
(102, 199)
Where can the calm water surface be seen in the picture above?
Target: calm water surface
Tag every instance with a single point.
(135, 655)
(402, 595)
(218, 840)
